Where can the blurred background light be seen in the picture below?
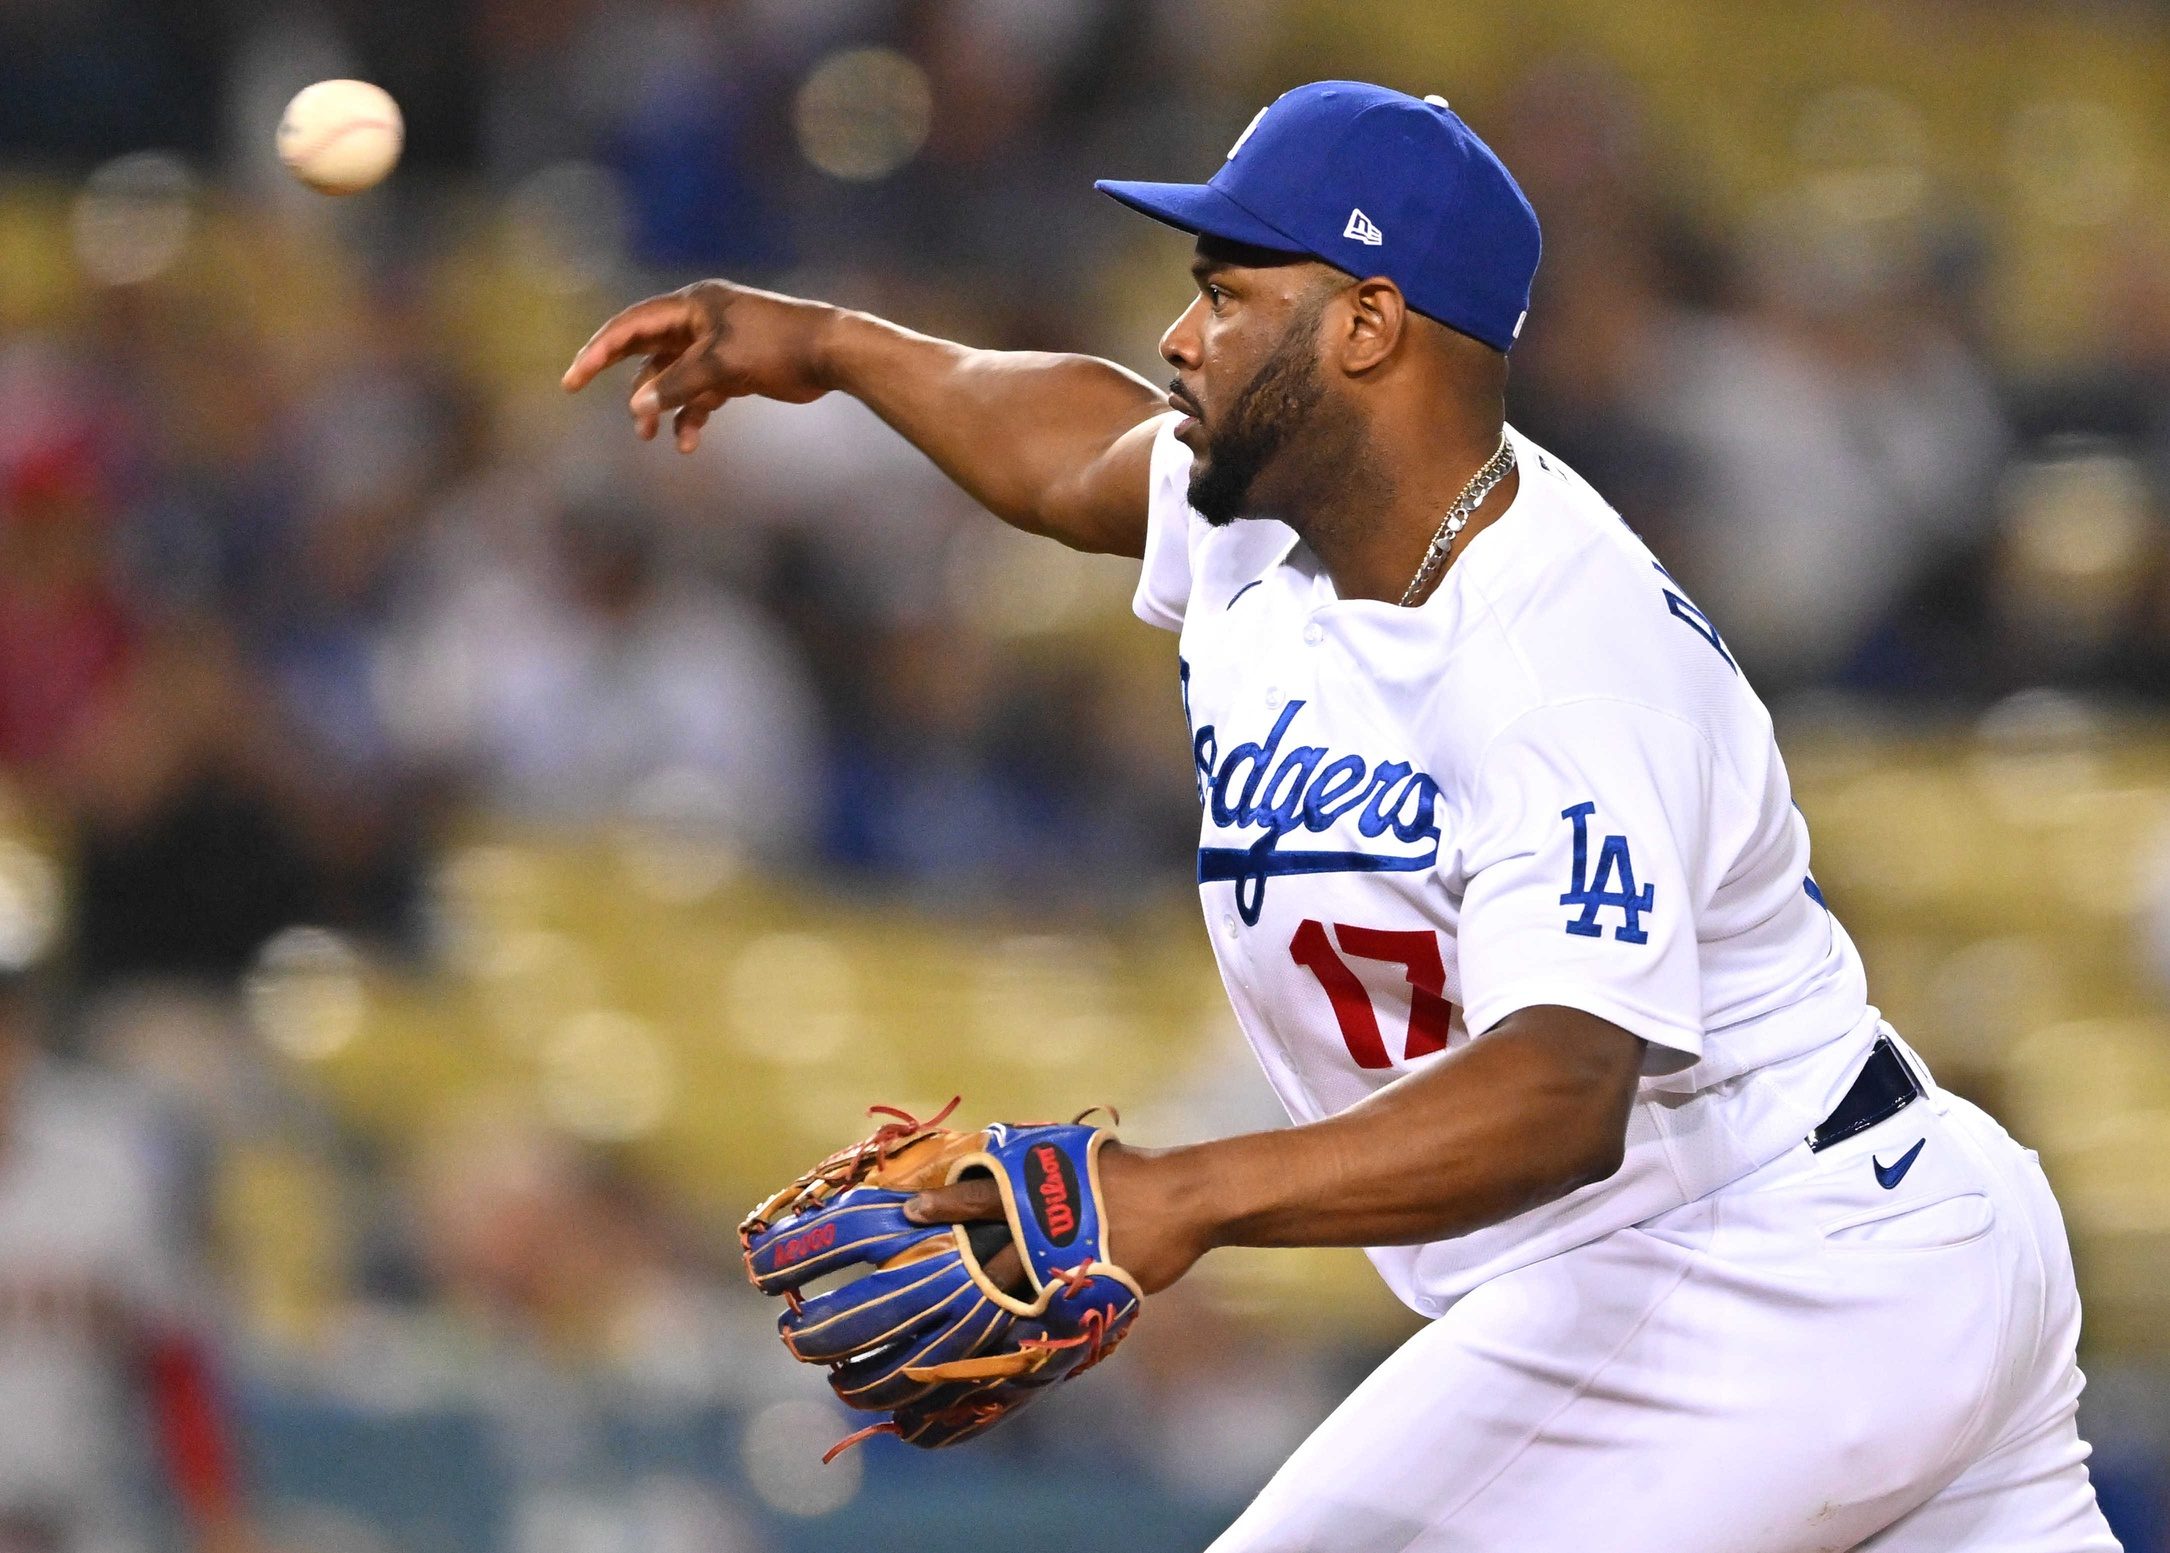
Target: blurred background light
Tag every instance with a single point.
(134, 217)
(682, 837)
(305, 995)
(1864, 153)
(781, 1453)
(793, 998)
(863, 113)
(30, 907)
(606, 1077)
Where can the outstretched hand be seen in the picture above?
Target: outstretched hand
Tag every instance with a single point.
(1147, 1237)
(706, 344)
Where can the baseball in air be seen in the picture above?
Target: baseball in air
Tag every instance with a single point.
(341, 137)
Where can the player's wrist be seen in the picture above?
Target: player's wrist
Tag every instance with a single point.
(833, 346)
(1160, 1212)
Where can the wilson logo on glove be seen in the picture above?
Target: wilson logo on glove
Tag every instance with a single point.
(1053, 1186)
(919, 1333)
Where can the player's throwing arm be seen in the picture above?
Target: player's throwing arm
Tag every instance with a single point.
(1052, 444)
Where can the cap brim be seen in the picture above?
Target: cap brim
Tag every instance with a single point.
(1201, 209)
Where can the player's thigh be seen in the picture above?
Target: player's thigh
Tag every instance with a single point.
(1736, 1387)
(1459, 1401)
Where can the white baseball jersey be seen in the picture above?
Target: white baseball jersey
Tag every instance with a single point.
(1547, 784)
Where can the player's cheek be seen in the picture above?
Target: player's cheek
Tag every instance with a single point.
(1226, 354)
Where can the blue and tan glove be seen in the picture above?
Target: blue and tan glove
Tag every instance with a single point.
(925, 1333)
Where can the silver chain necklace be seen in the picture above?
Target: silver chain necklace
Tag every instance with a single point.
(1465, 506)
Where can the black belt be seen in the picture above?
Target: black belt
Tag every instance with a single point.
(1885, 1087)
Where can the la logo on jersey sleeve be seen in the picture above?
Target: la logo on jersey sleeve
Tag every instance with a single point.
(1613, 886)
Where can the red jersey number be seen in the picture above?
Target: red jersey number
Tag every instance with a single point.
(1416, 952)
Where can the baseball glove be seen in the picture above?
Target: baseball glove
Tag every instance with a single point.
(925, 1333)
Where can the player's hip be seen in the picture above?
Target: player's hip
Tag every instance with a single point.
(1900, 1164)
(1929, 1214)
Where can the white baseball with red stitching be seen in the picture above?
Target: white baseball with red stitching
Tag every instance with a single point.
(341, 137)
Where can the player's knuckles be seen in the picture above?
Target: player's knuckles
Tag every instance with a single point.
(706, 299)
(693, 377)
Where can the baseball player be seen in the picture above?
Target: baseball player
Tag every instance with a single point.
(105, 1362)
(1501, 866)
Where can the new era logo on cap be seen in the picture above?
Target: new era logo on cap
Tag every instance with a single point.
(1363, 229)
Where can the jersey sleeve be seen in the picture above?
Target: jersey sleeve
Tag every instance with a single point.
(1584, 839)
(1164, 583)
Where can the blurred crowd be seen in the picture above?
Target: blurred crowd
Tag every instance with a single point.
(304, 563)
(1805, 416)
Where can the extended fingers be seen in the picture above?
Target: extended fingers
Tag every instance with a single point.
(660, 322)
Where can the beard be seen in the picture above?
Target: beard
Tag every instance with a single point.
(1258, 425)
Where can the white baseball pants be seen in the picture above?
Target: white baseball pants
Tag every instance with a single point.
(1803, 1362)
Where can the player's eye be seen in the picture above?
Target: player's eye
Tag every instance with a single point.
(1213, 294)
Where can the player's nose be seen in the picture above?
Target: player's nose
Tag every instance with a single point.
(1179, 347)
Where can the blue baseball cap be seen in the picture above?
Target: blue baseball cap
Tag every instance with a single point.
(1374, 182)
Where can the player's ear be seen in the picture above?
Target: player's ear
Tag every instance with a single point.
(1378, 315)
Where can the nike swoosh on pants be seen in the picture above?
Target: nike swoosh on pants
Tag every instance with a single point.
(1889, 1176)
